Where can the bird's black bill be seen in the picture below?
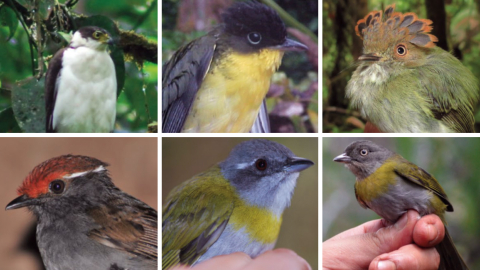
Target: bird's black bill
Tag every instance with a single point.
(291, 45)
(369, 57)
(297, 164)
(19, 202)
(343, 158)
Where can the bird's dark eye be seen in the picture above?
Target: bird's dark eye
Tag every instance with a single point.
(97, 34)
(401, 50)
(364, 152)
(57, 186)
(261, 164)
(254, 38)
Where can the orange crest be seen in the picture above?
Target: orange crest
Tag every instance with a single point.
(394, 25)
(38, 181)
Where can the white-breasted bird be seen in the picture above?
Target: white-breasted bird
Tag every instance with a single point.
(81, 85)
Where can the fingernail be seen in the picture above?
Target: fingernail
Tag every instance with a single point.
(401, 223)
(386, 265)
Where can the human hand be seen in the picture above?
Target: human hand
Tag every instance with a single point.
(408, 244)
(278, 259)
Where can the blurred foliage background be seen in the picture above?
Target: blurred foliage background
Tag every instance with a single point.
(183, 158)
(456, 23)
(292, 100)
(19, 58)
(452, 161)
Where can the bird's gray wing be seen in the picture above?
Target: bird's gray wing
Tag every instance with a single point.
(53, 74)
(182, 76)
(262, 123)
(131, 228)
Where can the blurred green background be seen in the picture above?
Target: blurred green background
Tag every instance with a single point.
(342, 47)
(292, 100)
(140, 88)
(454, 162)
(183, 158)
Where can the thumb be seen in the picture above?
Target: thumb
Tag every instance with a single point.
(391, 238)
(367, 246)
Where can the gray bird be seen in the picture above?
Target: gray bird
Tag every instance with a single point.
(81, 85)
(235, 206)
(84, 221)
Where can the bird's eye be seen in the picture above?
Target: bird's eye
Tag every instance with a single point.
(261, 164)
(254, 38)
(401, 50)
(57, 186)
(364, 152)
(97, 34)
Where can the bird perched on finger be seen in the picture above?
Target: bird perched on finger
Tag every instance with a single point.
(84, 221)
(235, 206)
(391, 185)
(217, 83)
(405, 83)
(81, 85)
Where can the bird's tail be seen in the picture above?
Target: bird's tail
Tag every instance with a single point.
(449, 257)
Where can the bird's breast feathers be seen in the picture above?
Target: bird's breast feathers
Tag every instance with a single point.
(86, 92)
(231, 94)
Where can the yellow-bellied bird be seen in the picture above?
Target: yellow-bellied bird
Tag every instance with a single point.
(81, 85)
(217, 82)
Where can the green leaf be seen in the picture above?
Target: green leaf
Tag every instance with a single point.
(8, 122)
(8, 18)
(115, 52)
(28, 104)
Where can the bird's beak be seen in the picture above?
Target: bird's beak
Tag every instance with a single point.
(370, 57)
(106, 39)
(21, 201)
(344, 158)
(291, 45)
(297, 164)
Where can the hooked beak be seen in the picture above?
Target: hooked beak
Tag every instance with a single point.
(21, 201)
(370, 57)
(291, 45)
(297, 164)
(343, 158)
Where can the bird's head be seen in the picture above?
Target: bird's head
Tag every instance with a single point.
(253, 26)
(393, 37)
(264, 173)
(61, 178)
(92, 37)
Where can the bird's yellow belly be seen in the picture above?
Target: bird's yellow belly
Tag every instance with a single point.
(231, 94)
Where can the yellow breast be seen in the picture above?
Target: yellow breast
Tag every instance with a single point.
(231, 94)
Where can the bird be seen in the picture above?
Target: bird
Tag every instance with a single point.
(84, 221)
(217, 83)
(81, 85)
(234, 206)
(391, 185)
(405, 83)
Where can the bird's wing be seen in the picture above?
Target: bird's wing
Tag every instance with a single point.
(131, 228)
(182, 76)
(194, 217)
(419, 176)
(262, 123)
(452, 96)
(53, 74)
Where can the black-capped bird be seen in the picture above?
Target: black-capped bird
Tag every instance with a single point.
(217, 82)
(81, 85)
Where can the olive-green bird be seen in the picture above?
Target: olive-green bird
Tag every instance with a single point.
(404, 83)
(391, 185)
(235, 206)
(217, 83)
